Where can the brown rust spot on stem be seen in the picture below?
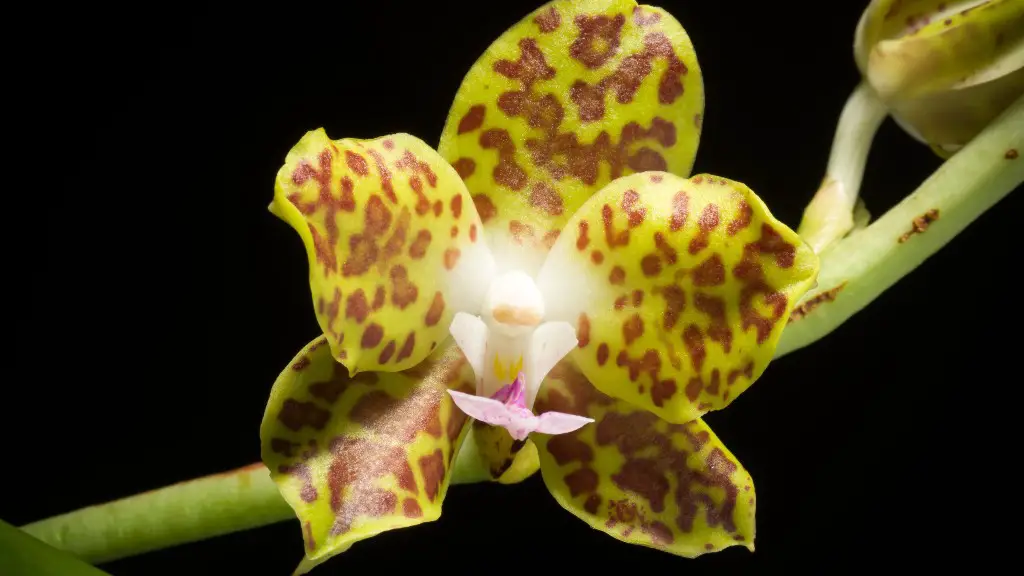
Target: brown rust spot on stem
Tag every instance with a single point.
(921, 223)
(812, 303)
(1011, 154)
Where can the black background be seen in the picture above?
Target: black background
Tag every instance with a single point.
(169, 298)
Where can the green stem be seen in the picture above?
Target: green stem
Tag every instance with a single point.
(861, 266)
(186, 512)
(190, 511)
(829, 215)
(23, 554)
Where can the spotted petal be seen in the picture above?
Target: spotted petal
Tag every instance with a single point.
(673, 487)
(356, 456)
(573, 96)
(394, 244)
(679, 290)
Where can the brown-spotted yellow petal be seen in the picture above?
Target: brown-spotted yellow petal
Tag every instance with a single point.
(679, 290)
(355, 456)
(574, 95)
(674, 487)
(394, 243)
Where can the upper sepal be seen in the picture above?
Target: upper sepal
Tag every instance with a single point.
(395, 245)
(679, 290)
(573, 96)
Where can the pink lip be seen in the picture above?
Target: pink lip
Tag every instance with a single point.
(507, 408)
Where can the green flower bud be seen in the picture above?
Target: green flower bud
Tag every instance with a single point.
(944, 69)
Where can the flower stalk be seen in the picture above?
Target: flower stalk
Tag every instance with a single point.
(23, 554)
(207, 507)
(186, 512)
(867, 262)
(830, 214)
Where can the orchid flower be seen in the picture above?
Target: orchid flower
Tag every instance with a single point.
(553, 233)
(600, 302)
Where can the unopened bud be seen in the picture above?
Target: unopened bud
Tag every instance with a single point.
(944, 69)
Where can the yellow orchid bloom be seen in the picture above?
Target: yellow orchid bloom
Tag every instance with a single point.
(554, 234)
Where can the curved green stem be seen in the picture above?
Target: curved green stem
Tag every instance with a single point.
(861, 266)
(190, 511)
(22, 554)
(830, 214)
(186, 512)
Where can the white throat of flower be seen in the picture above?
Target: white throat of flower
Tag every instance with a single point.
(509, 336)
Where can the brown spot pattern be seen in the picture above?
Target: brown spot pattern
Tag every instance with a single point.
(451, 258)
(583, 331)
(617, 276)
(466, 167)
(363, 204)
(625, 81)
(356, 307)
(386, 353)
(485, 207)
(582, 239)
(548, 21)
(327, 201)
(330, 463)
(552, 151)
(807, 306)
(473, 119)
(920, 224)
(708, 222)
(668, 499)
(436, 310)
(543, 197)
(372, 336)
(403, 291)
(712, 304)
(420, 244)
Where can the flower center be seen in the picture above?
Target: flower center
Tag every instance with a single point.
(509, 337)
(513, 304)
(513, 309)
